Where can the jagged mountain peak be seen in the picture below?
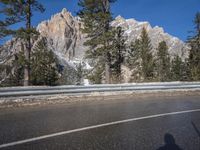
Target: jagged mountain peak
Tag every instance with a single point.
(133, 29)
(63, 32)
(160, 29)
(64, 10)
(64, 37)
(119, 17)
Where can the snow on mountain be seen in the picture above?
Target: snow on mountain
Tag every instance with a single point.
(133, 30)
(64, 36)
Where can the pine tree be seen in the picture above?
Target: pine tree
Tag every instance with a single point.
(96, 16)
(18, 69)
(147, 63)
(177, 68)
(194, 54)
(140, 59)
(118, 54)
(96, 75)
(134, 60)
(13, 73)
(4, 77)
(20, 11)
(67, 75)
(44, 69)
(79, 73)
(163, 62)
(10, 15)
(186, 70)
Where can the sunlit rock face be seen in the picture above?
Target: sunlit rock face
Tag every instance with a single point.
(134, 28)
(64, 38)
(63, 32)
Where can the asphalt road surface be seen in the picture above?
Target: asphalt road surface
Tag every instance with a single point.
(152, 123)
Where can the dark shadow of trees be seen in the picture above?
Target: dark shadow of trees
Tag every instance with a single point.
(170, 143)
(195, 128)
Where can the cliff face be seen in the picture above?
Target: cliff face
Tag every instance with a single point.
(63, 33)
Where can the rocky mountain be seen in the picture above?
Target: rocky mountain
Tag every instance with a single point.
(63, 33)
(133, 29)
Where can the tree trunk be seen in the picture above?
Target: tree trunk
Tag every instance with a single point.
(106, 7)
(28, 46)
(107, 68)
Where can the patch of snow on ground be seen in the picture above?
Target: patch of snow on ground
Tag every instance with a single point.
(86, 82)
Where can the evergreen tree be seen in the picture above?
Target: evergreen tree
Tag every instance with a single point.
(44, 69)
(163, 62)
(79, 73)
(18, 69)
(118, 54)
(194, 54)
(10, 15)
(140, 59)
(147, 63)
(20, 11)
(4, 77)
(67, 75)
(13, 73)
(96, 75)
(186, 70)
(134, 60)
(96, 17)
(177, 69)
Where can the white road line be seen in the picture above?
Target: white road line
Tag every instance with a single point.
(93, 127)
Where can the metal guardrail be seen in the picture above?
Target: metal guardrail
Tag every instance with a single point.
(30, 91)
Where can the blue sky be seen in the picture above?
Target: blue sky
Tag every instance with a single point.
(175, 16)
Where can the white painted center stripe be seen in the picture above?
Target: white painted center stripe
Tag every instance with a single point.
(93, 127)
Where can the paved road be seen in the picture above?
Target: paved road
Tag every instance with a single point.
(149, 127)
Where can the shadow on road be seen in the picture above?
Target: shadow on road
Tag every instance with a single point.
(195, 128)
(169, 143)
